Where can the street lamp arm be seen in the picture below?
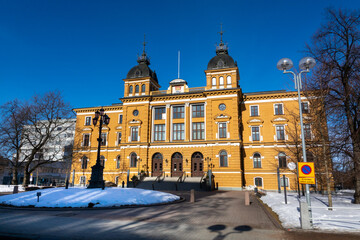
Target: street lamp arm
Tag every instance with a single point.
(294, 75)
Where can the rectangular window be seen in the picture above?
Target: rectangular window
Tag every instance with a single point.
(307, 131)
(258, 182)
(134, 134)
(255, 133)
(282, 182)
(178, 112)
(178, 131)
(198, 131)
(222, 130)
(119, 138)
(86, 141)
(280, 133)
(254, 111)
(120, 118)
(159, 132)
(305, 107)
(159, 113)
(87, 121)
(278, 109)
(103, 139)
(198, 110)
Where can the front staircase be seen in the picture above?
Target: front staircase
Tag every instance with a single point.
(171, 184)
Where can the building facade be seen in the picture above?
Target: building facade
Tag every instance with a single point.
(243, 138)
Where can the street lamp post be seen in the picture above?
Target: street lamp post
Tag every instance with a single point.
(305, 64)
(97, 180)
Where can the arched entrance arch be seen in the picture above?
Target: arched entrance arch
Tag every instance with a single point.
(197, 164)
(176, 164)
(157, 164)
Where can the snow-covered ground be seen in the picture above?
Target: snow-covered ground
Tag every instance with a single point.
(344, 217)
(9, 188)
(81, 197)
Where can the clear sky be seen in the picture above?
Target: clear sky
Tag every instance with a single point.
(85, 48)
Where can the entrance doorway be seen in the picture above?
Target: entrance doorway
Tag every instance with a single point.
(176, 165)
(157, 164)
(197, 165)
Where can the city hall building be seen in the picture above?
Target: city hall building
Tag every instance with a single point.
(241, 137)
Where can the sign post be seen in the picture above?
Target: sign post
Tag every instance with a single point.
(306, 172)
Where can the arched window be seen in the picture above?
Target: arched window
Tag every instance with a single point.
(282, 160)
(228, 80)
(223, 158)
(143, 88)
(213, 81)
(257, 160)
(117, 180)
(309, 156)
(133, 160)
(102, 161)
(118, 162)
(258, 181)
(221, 81)
(84, 161)
(137, 89)
(131, 89)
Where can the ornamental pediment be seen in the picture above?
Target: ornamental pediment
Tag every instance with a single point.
(280, 119)
(119, 127)
(255, 120)
(135, 122)
(87, 129)
(222, 117)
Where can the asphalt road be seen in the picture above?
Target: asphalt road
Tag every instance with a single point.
(217, 215)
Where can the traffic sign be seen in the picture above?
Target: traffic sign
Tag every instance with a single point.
(307, 180)
(306, 170)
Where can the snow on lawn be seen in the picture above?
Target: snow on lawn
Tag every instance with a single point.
(10, 188)
(81, 197)
(345, 216)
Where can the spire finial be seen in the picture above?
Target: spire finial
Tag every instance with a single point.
(144, 44)
(221, 33)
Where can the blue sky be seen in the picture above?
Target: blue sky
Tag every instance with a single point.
(85, 48)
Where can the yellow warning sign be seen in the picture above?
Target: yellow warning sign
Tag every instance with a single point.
(307, 180)
(306, 170)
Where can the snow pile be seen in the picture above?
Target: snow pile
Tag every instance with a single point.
(345, 216)
(82, 197)
(10, 188)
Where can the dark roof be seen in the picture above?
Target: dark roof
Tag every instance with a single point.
(142, 69)
(222, 59)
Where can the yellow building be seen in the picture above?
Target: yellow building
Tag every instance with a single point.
(243, 138)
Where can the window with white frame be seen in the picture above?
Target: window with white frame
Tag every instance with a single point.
(257, 160)
(198, 110)
(133, 160)
(134, 134)
(198, 131)
(254, 111)
(120, 118)
(307, 131)
(159, 112)
(102, 161)
(103, 139)
(282, 160)
(159, 132)
(82, 180)
(278, 109)
(178, 131)
(143, 88)
(305, 107)
(84, 162)
(258, 181)
(213, 81)
(223, 158)
(87, 121)
(131, 89)
(178, 112)
(255, 133)
(221, 81)
(282, 182)
(280, 132)
(137, 89)
(228, 80)
(117, 180)
(222, 130)
(86, 139)
(119, 138)
(118, 162)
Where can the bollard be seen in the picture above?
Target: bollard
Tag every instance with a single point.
(192, 196)
(153, 187)
(67, 184)
(305, 216)
(38, 194)
(123, 184)
(247, 198)
(16, 189)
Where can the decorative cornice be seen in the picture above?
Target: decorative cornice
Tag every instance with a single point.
(279, 119)
(255, 120)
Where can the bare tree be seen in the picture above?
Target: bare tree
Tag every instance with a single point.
(336, 47)
(14, 116)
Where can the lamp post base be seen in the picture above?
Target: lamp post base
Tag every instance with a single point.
(96, 180)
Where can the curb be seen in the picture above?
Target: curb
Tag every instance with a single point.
(269, 213)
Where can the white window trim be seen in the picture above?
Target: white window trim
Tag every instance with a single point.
(282, 182)
(212, 81)
(82, 182)
(221, 78)
(227, 80)
(119, 118)
(82, 143)
(106, 139)
(85, 120)
(261, 158)
(258, 107)
(285, 135)
(262, 180)
(117, 138)
(130, 137)
(227, 156)
(282, 106)
(260, 136)
(227, 133)
(308, 103)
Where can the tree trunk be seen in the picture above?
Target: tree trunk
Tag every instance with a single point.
(26, 181)
(357, 176)
(14, 180)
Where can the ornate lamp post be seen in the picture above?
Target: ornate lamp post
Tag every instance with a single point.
(97, 180)
(305, 64)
